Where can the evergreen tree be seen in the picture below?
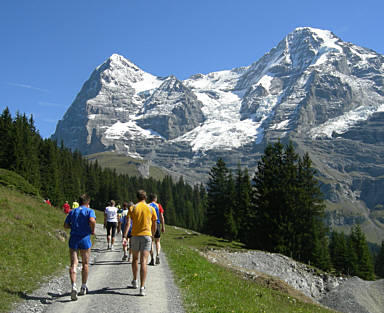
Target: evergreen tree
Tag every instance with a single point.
(268, 202)
(310, 228)
(365, 268)
(339, 252)
(244, 213)
(6, 140)
(216, 200)
(379, 264)
(229, 227)
(289, 207)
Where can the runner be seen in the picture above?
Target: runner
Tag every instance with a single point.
(66, 207)
(143, 225)
(110, 222)
(159, 228)
(82, 222)
(123, 221)
(75, 204)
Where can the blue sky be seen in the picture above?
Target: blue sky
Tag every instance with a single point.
(48, 48)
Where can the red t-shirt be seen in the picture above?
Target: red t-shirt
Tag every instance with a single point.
(66, 208)
(161, 210)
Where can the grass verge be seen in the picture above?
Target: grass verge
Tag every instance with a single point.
(207, 287)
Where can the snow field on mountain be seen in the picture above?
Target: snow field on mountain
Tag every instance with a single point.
(222, 128)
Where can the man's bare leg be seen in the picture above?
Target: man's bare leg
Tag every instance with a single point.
(158, 247)
(143, 266)
(135, 263)
(74, 263)
(85, 255)
(72, 272)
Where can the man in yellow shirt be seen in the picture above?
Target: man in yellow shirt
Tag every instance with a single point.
(143, 226)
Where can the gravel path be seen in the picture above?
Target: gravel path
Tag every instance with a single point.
(108, 283)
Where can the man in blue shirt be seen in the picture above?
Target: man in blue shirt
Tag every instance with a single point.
(82, 222)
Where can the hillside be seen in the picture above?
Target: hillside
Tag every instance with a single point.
(32, 243)
(128, 165)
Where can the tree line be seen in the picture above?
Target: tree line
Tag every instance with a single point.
(62, 175)
(279, 210)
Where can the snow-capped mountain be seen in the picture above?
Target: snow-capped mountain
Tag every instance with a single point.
(325, 94)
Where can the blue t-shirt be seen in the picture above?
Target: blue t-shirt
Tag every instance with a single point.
(123, 221)
(79, 220)
(155, 206)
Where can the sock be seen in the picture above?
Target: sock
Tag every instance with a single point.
(74, 286)
(84, 285)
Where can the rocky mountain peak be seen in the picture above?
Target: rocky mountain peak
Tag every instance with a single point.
(312, 88)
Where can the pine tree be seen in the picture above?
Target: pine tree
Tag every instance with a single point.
(268, 202)
(309, 214)
(230, 226)
(6, 151)
(339, 252)
(244, 213)
(365, 268)
(379, 264)
(289, 207)
(216, 200)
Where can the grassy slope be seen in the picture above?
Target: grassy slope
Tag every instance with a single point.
(208, 287)
(124, 164)
(32, 244)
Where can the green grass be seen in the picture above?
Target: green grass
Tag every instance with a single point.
(125, 164)
(208, 287)
(32, 244)
(33, 249)
(15, 181)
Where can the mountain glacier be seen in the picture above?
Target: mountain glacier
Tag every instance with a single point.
(324, 94)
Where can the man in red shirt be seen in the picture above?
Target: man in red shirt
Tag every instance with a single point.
(66, 207)
(160, 228)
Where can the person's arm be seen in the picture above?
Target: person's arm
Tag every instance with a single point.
(162, 222)
(153, 227)
(92, 224)
(105, 218)
(127, 225)
(67, 223)
(119, 225)
(154, 219)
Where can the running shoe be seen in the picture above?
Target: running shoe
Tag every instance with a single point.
(83, 291)
(134, 284)
(157, 259)
(142, 291)
(74, 294)
(152, 262)
(124, 257)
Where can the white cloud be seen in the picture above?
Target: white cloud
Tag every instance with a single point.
(28, 87)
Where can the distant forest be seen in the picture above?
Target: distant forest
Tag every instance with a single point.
(279, 210)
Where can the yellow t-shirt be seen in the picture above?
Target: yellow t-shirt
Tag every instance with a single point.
(142, 216)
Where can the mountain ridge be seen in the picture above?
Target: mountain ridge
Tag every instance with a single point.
(324, 94)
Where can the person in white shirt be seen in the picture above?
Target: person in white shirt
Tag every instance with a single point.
(110, 222)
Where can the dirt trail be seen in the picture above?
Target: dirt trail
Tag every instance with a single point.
(108, 283)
